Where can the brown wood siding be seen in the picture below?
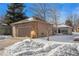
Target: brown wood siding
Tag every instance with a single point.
(43, 28)
(24, 29)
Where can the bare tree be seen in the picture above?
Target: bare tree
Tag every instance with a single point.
(76, 21)
(41, 10)
(74, 18)
(55, 17)
(46, 12)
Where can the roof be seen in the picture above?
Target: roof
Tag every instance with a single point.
(29, 20)
(62, 26)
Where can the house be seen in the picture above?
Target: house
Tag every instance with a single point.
(77, 28)
(5, 29)
(64, 29)
(31, 26)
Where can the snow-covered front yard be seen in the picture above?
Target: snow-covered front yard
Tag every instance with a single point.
(30, 48)
(49, 48)
(58, 45)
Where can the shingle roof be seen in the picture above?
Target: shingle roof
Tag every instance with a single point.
(28, 20)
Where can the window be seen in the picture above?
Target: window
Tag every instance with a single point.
(65, 31)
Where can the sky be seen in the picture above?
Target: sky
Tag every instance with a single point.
(64, 8)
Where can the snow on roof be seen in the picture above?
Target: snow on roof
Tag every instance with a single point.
(63, 26)
(30, 19)
(25, 20)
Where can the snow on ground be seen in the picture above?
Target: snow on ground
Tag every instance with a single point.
(21, 46)
(58, 45)
(34, 48)
(62, 38)
(75, 33)
(2, 37)
(39, 47)
(58, 38)
(65, 50)
(30, 48)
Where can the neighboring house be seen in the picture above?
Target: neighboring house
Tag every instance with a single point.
(30, 26)
(77, 28)
(5, 29)
(63, 29)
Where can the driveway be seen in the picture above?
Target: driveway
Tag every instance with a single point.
(8, 42)
(62, 38)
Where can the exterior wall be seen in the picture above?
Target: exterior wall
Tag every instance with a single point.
(8, 30)
(41, 28)
(69, 30)
(5, 30)
(22, 30)
(44, 29)
(77, 29)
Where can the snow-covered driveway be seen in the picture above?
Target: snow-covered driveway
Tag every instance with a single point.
(62, 38)
(58, 38)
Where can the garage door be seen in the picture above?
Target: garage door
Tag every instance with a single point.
(23, 32)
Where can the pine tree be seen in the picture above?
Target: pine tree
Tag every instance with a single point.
(15, 13)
